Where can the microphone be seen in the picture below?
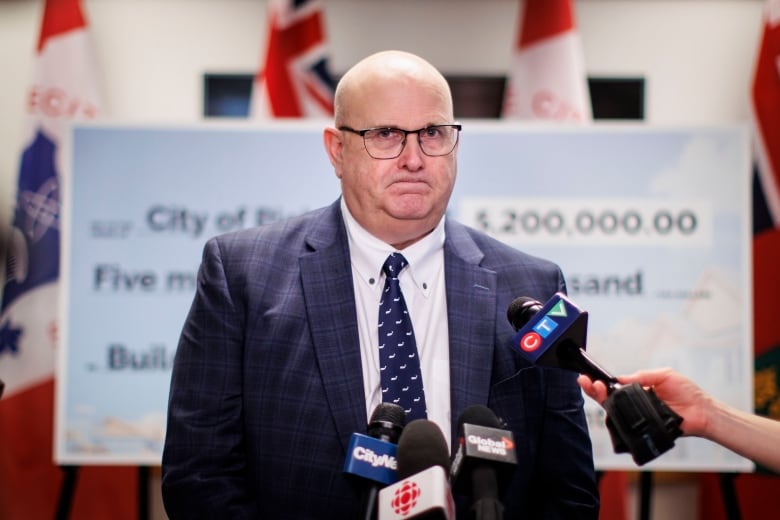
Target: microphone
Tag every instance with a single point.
(554, 334)
(485, 461)
(423, 465)
(372, 457)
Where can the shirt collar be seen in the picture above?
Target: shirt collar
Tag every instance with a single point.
(368, 253)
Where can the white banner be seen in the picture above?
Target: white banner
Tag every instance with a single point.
(650, 226)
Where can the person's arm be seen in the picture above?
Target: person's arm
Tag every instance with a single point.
(204, 459)
(748, 435)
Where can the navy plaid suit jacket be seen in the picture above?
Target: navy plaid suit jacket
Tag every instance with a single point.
(267, 384)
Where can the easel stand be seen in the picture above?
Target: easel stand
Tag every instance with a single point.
(68, 490)
(728, 492)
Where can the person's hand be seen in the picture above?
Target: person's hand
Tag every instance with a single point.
(596, 390)
(680, 393)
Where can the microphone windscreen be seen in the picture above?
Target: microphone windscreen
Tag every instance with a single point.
(421, 446)
(387, 422)
(521, 310)
(479, 415)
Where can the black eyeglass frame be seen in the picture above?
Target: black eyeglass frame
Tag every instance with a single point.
(362, 133)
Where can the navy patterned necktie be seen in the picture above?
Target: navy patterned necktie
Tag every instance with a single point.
(399, 363)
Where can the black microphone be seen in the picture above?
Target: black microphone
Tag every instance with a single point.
(423, 465)
(485, 461)
(554, 334)
(373, 457)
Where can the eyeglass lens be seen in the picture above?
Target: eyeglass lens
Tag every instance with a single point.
(388, 143)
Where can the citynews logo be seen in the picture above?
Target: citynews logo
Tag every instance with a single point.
(543, 328)
(375, 460)
(500, 446)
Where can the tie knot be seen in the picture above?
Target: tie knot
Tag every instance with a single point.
(394, 264)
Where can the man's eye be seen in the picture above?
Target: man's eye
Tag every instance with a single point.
(387, 133)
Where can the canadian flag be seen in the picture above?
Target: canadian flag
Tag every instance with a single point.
(64, 89)
(547, 80)
(294, 80)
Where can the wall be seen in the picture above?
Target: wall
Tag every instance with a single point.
(696, 55)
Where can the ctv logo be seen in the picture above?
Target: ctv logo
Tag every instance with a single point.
(543, 328)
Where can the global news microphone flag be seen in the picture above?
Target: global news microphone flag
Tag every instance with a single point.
(294, 79)
(547, 79)
(64, 89)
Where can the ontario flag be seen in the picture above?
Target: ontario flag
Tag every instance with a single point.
(64, 89)
(756, 494)
(765, 105)
(547, 79)
(294, 80)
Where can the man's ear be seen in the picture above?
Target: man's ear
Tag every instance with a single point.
(334, 146)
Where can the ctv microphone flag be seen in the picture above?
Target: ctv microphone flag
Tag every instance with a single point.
(547, 79)
(294, 80)
(544, 327)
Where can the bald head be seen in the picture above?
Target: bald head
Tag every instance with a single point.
(397, 199)
(355, 88)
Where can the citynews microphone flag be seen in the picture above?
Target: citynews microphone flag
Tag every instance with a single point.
(294, 79)
(547, 79)
(64, 89)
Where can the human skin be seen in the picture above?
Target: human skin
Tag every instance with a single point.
(749, 435)
(397, 200)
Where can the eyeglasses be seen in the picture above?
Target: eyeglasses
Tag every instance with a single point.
(388, 143)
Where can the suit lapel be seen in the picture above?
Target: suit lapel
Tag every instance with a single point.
(330, 305)
(471, 311)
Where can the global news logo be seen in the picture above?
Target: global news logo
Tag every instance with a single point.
(499, 446)
(534, 339)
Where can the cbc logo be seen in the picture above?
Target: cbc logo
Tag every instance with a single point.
(405, 498)
(531, 342)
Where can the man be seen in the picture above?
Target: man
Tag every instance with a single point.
(277, 365)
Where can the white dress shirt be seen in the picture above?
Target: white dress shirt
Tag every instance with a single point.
(422, 284)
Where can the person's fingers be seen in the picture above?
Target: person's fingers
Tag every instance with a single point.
(595, 390)
(647, 377)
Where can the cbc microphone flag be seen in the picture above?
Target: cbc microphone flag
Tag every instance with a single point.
(64, 89)
(294, 80)
(547, 79)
